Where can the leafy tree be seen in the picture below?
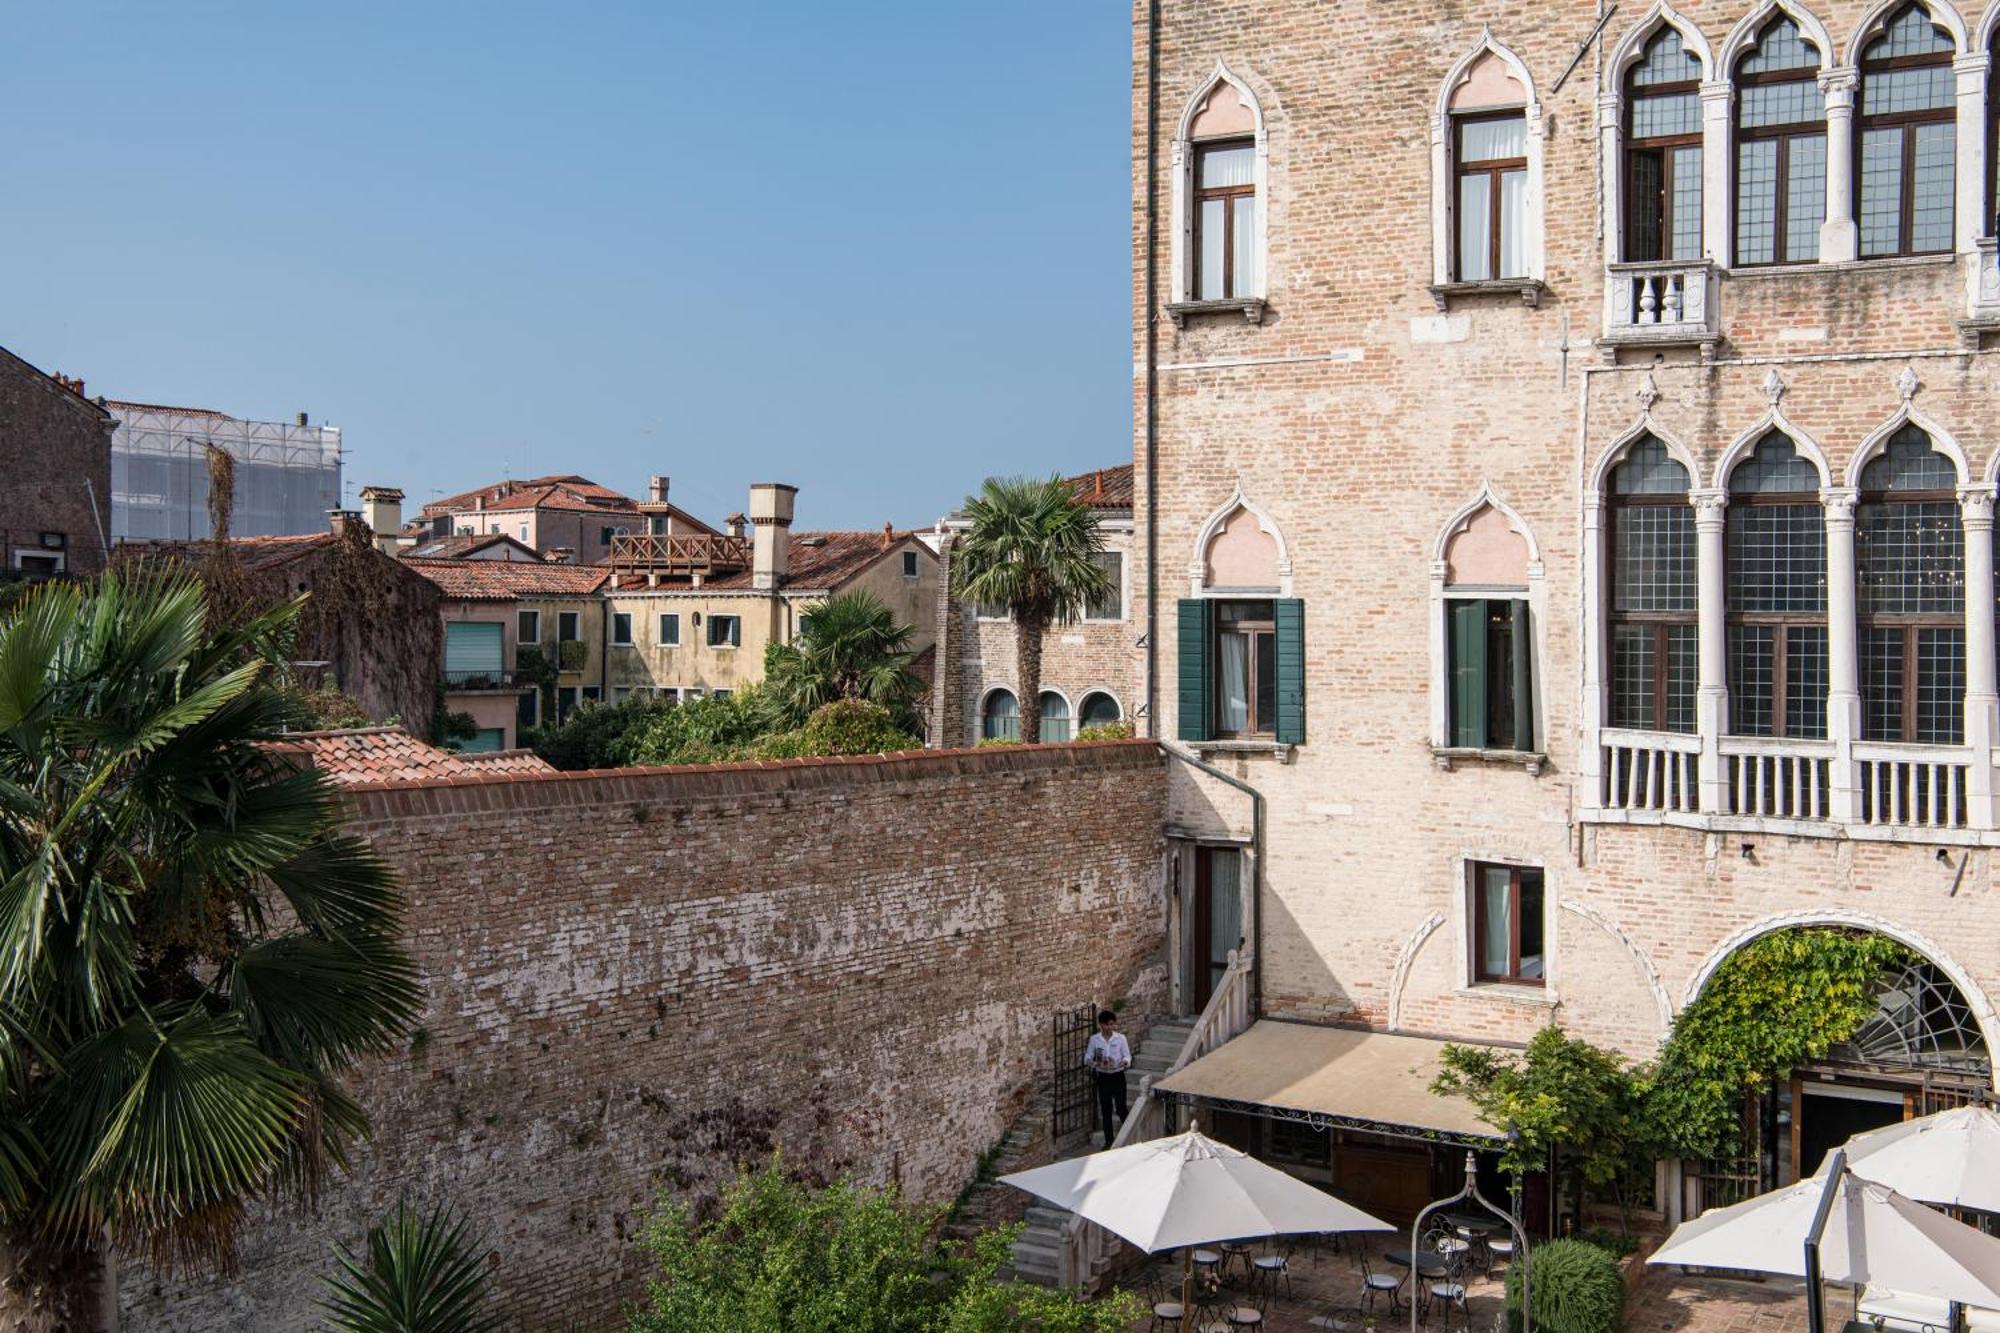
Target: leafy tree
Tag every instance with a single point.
(1562, 1095)
(848, 647)
(191, 954)
(781, 1256)
(1031, 548)
(598, 735)
(418, 1274)
(708, 730)
(1781, 1001)
(848, 726)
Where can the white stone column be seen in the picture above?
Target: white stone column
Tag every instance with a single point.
(1975, 507)
(1717, 102)
(1614, 180)
(1590, 758)
(1711, 512)
(1839, 238)
(1843, 703)
(1971, 150)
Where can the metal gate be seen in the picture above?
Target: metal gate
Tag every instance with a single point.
(1070, 1031)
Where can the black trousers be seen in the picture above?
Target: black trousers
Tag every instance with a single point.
(1110, 1101)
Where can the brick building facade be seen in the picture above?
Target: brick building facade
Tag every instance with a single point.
(1090, 668)
(1572, 454)
(55, 457)
(854, 952)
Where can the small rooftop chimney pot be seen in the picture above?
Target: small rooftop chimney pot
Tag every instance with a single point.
(656, 489)
(771, 507)
(382, 511)
(303, 420)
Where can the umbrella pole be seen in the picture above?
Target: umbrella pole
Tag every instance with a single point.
(1836, 1167)
(1187, 1287)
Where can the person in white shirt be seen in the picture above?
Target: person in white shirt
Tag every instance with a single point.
(1108, 1056)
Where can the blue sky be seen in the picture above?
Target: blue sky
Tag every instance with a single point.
(879, 251)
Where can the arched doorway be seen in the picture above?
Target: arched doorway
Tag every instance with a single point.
(1924, 1048)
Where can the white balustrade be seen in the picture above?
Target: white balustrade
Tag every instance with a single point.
(1906, 786)
(1651, 770)
(1661, 302)
(1777, 779)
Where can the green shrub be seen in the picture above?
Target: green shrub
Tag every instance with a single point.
(994, 742)
(572, 654)
(1617, 1244)
(1576, 1288)
(597, 735)
(1107, 731)
(849, 726)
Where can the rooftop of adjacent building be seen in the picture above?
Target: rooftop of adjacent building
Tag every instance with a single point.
(564, 491)
(377, 755)
(491, 546)
(507, 580)
(255, 554)
(819, 562)
(1106, 488)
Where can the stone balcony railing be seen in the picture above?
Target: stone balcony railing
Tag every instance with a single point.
(1983, 294)
(1801, 787)
(1665, 304)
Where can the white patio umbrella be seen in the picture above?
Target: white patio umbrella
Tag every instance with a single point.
(1950, 1158)
(1870, 1234)
(1188, 1190)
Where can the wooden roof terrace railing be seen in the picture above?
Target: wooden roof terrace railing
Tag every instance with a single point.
(678, 553)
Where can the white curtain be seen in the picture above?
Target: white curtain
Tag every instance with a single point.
(1513, 224)
(1225, 907)
(1475, 228)
(1212, 237)
(1234, 714)
(1496, 938)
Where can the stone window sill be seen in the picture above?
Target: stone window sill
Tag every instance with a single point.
(1279, 750)
(1756, 271)
(1448, 757)
(1529, 290)
(1251, 308)
(1536, 996)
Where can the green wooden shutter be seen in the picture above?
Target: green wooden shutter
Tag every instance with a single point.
(1197, 691)
(1290, 615)
(1468, 674)
(472, 647)
(1523, 644)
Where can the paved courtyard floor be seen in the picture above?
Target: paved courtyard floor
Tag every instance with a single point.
(1325, 1294)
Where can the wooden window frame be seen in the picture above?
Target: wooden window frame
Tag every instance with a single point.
(617, 640)
(1475, 875)
(1779, 622)
(1493, 169)
(715, 620)
(1907, 122)
(1229, 193)
(521, 620)
(1659, 621)
(564, 619)
(667, 640)
(1664, 146)
(1909, 623)
(1252, 629)
(1782, 185)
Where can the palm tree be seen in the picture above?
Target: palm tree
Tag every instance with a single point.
(849, 647)
(421, 1274)
(190, 953)
(1031, 548)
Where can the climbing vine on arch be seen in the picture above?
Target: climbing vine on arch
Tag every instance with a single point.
(1781, 1001)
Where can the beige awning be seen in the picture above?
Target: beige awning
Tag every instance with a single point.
(1364, 1080)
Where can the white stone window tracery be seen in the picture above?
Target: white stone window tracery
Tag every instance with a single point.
(1220, 166)
(1487, 554)
(1486, 173)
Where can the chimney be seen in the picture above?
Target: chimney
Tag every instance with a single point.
(888, 535)
(733, 525)
(346, 523)
(656, 489)
(382, 511)
(771, 548)
(302, 419)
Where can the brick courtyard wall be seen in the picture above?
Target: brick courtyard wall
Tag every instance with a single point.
(55, 456)
(867, 950)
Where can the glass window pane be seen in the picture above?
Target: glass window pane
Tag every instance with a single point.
(1233, 681)
(1910, 33)
(1055, 717)
(1003, 717)
(1682, 645)
(1666, 60)
(1781, 47)
(1530, 926)
(1881, 191)
(1644, 176)
(1774, 468)
(1940, 686)
(1669, 116)
(1475, 221)
(1513, 224)
(1882, 684)
(1757, 201)
(1653, 559)
(1493, 140)
(1751, 679)
(1782, 104)
(1245, 222)
(1805, 196)
(1777, 559)
(1110, 606)
(1213, 235)
(1496, 935)
(1931, 212)
(1910, 559)
(1805, 681)
(1632, 675)
(1686, 204)
(1648, 469)
(1909, 463)
(1224, 168)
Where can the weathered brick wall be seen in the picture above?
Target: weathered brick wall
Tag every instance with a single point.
(55, 452)
(868, 948)
(1362, 420)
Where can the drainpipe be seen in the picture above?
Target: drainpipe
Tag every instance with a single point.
(1257, 877)
(1152, 376)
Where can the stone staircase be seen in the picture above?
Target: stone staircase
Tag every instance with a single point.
(1038, 1252)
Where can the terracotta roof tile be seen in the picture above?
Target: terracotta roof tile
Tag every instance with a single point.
(506, 580)
(379, 755)
(1106, 488)
(824, 559)
(462, 546)
(566, 491)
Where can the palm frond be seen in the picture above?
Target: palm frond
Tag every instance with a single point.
(318, 1003)
(417, 1274)
(1031, 546)
(29, 643)
(337, 883)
